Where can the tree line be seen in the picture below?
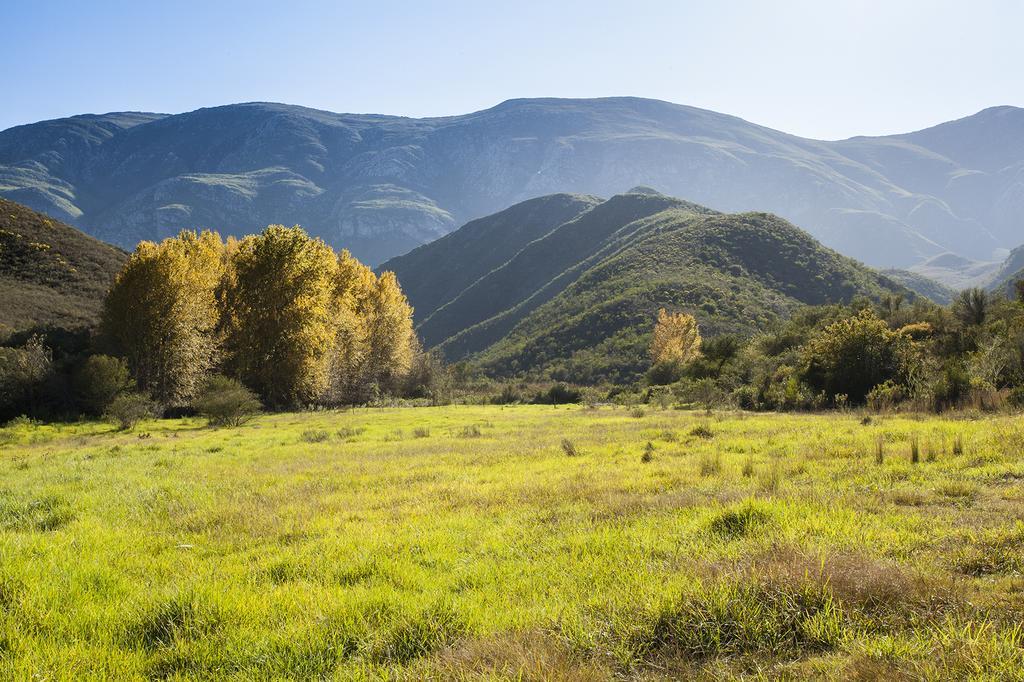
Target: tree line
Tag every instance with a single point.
(278, 313)
(888, 354)
(218, 327)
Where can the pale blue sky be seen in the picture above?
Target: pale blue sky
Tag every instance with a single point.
(824, 68)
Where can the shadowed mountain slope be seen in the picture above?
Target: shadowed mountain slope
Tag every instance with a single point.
(579, 303)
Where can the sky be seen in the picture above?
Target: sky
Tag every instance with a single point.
(827, 69)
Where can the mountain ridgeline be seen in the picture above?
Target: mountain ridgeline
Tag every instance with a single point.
(1009, 273)
(382, 185)
(578, 301)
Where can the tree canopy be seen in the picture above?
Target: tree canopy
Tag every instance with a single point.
(279, 311)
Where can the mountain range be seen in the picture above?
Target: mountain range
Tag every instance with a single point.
(575, 286)
(382, 185)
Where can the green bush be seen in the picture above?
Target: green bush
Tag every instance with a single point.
(746, 398)
(664, 373)
(559, 394)
(950, 387)
(24, 372)
(99, 381)
(854, 355)
(508, 396)
(886, 396)
(428, 377)
(226, 402)
(128, 409)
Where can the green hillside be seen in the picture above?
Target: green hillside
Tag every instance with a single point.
(924, 286)
(579, 303)
(436, 273)
(1009, 272)
(539, 271)
(50, 274)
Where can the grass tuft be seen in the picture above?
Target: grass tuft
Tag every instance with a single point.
(419, 634)
(958, 445)
(471, 431)
(648, 452)
(45, 513)
(315, 436)
(179, 618)
(711, 464)
(702, 431)
(734, 523)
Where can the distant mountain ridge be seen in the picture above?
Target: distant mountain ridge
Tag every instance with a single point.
(1009, 273)
(382, 185)
(579, 302)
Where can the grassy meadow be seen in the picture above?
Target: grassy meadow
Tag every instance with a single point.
(528, 542)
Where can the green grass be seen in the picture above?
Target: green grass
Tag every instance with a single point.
(462, 542)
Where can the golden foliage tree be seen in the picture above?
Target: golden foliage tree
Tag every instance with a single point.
(354, 284)
(390, 341)
(676, 339)
(280, 314)
(296, 323)
(161, 314)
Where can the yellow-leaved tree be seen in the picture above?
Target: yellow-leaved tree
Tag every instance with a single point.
(161, 314)
(354, 285)
(676, 340)
(290, 319)
(279, 315)
(390, 342)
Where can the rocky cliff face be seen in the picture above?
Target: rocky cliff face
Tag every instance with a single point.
(382, 185)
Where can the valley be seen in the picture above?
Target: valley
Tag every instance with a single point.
(641, 342)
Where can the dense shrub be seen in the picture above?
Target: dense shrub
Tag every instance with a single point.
(24, 373)
(746, 398)
(226, 402)
(129, 408)
(971, 307)
(886, 396)
(664, 373)
(559, 394)
(508, 396)
(704, 392)
(854, 355)
(99, 381)
(949, 387)
(428, 377)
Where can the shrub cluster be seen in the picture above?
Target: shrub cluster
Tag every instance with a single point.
(885, 355)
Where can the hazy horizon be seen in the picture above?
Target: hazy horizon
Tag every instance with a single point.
(539, 97)
(825, 72)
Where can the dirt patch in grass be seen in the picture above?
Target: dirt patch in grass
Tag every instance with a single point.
(526, 656)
